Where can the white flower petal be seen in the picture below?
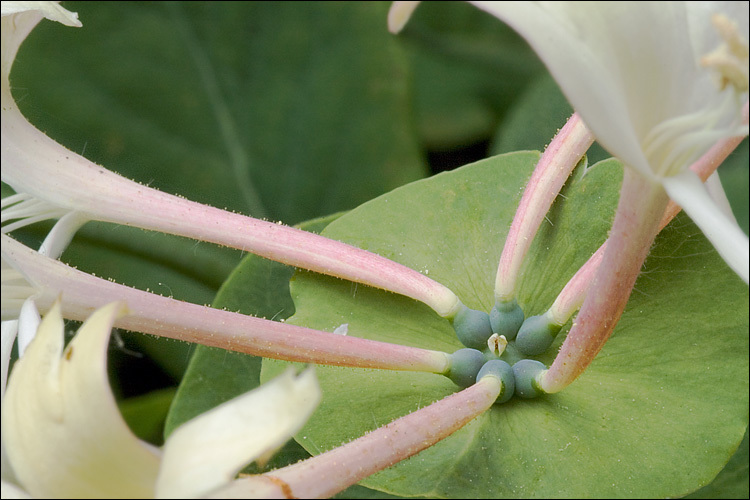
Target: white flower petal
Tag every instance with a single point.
(28, 324)
(50, 10)
(18, 19)
(61, 234)
(207, 452)
(9, 331)
(61, 427)
(716, 191)
(399, 15)
(10, 490)
(688, 191)
(658, 83)
(625, 68)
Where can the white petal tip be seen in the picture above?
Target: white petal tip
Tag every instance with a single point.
(730, 241)
(51, 10)
(399, 15)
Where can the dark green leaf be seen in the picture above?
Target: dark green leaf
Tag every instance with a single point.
(233, 104)
(468, 70)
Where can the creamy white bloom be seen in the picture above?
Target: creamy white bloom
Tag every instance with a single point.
(65, 437)
(62, 431)
(657, 82)
(206, 453)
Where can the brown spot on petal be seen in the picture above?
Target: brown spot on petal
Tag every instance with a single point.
(68, 353)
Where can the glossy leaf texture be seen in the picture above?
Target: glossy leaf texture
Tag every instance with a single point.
(658, 413)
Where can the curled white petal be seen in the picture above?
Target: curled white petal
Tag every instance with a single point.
(717, 193)
(631, 72)
(61, 234)
(688, 191)
(18, 19)
(207, 452)
(62, 430)
(50, 10)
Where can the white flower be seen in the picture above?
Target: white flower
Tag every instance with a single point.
(657, 82)
(64, 435)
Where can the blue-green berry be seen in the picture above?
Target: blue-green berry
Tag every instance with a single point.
(503, 371)
(472, 328)
(506, 318)
(536, 335)
(526, 372)
(464, 366)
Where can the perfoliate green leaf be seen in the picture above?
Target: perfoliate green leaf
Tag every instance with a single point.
(658, 413)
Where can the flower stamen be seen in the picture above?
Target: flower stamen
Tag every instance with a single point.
(730, 59)
(26, 210)
(679, 141)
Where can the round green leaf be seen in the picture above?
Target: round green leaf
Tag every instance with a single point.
(658, 413)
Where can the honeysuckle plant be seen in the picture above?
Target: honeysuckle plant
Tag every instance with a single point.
(35, 277)
(515, 232)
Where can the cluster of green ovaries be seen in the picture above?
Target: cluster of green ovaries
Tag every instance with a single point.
(524, 338)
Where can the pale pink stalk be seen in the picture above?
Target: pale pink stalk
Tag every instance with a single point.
(572, 295)
(553, 169)
(36, 165)
(83, 293)
(47, 175)
(637, 222)
(332, 471)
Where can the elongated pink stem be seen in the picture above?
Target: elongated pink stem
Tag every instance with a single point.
(553, 169)
(36, 165)
(636, 224)
(149, 313)
(328, 473)
(572, 295)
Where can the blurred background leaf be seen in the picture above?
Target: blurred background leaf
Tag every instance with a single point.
(243, 106)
